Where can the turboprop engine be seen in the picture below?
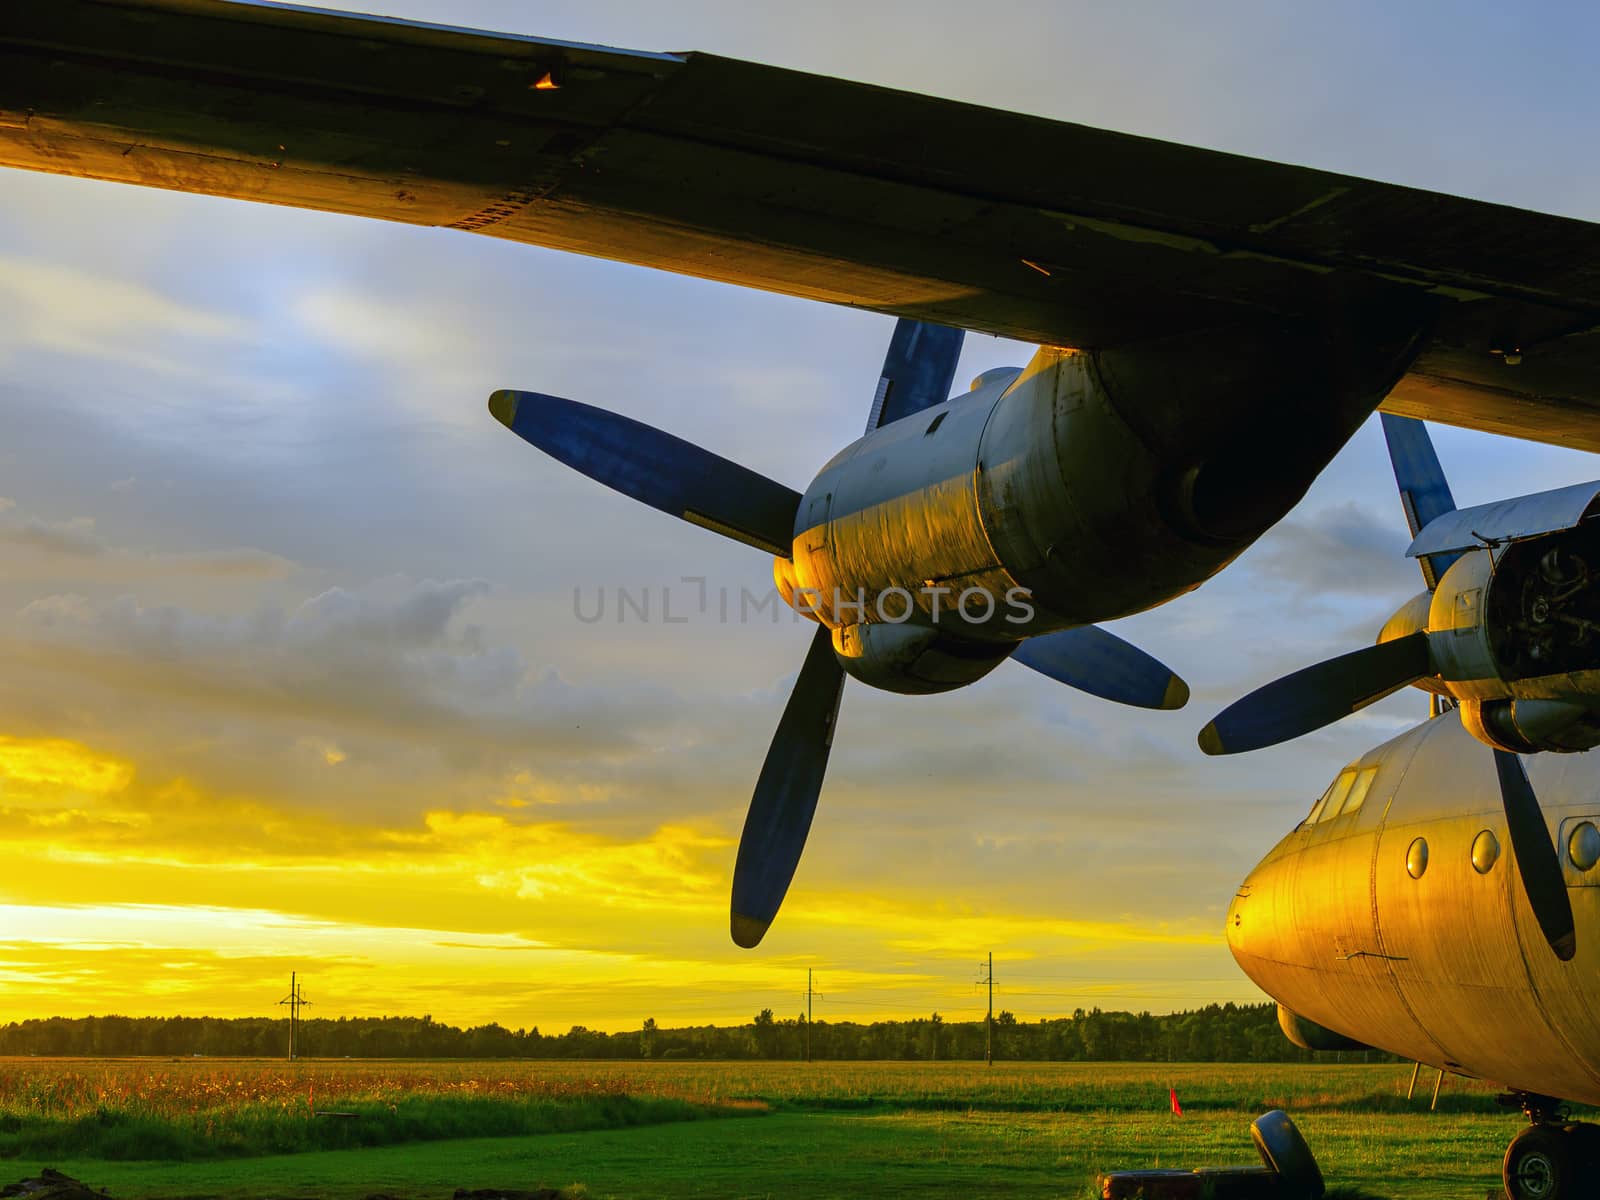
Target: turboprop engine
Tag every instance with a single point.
(959, 532)
(1513, 636)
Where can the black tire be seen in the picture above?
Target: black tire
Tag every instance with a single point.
(1284, 1150)
(1543, 1163)
(1586, 1147)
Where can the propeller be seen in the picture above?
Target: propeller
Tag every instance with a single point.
(684, 480)
(1542, 879)
(1320, 695)
(1102, 664)
(786, 794)
(655, 468)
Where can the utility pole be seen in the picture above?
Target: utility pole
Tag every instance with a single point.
(809, 995)
(296, 1001)
(988, 1046)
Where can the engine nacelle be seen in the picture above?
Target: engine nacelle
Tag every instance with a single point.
(1529, 726)
(1094, 484)
(914, 659)
(1514, 634)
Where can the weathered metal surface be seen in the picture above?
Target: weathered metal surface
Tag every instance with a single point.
(914, 659)
(1449, 969)
(1458, 630)
(802, 184)
(1506, 520)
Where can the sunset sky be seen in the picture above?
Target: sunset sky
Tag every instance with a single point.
(290, 676)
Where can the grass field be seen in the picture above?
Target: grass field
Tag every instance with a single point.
(637, 1130)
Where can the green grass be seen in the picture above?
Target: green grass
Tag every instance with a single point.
(118, 1133)
(888, 1129)
(822, 1156)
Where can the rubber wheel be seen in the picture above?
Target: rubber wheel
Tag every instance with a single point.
(1542, 1164)
(1284, 1150)
(1585, 1147)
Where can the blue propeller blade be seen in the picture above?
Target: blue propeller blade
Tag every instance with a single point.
(1537, 862)
(786, 793)
(1317, 695)
(917, 370)
(1424, 491)
(1102, 664)
(656, 468)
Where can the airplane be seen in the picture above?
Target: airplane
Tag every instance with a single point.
(1211, 328)
(1391, 917)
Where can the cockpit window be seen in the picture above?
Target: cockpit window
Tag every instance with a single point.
(1322, 804)
(1358, 793)
(1336, 795)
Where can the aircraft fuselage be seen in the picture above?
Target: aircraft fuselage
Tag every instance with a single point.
(1402, 924)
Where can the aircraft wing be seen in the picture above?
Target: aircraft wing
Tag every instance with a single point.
(811, 186)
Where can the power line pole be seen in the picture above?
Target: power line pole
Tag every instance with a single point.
(809, 996)
(988, 1046)
(296, 1001)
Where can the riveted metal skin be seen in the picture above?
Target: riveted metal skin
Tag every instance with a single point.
(1450, 969)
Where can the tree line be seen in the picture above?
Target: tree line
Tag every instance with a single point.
(1215, 1033)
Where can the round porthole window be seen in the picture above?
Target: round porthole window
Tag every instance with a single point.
(1485, 852)
(1417, 858)
(1583, 847)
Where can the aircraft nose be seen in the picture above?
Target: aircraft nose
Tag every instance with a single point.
(1250, 907)
(1236, 910)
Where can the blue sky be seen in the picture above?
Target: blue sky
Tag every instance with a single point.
(297, 613)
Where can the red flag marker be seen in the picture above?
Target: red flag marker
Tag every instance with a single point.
(1177, 1109)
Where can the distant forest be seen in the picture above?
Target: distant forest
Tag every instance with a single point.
(1216, 1033)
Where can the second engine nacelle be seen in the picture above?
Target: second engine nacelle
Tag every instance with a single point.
(1514, 634)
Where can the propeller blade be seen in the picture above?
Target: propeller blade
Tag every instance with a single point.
(917, 370)
(786, 793)
(1317, 696)
(656, 468)
(1537, 861)
(1424, 491)
(1102, 664)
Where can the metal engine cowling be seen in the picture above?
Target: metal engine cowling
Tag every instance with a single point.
(914, 659)
(1514, 631)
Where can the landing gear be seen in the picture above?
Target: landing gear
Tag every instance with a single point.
(1552, 1159)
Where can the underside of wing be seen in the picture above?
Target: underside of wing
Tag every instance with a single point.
(910, 205)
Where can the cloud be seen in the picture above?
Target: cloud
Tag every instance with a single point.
(391, 656)
(88, 314)
(1341, 550)
(33, 547)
